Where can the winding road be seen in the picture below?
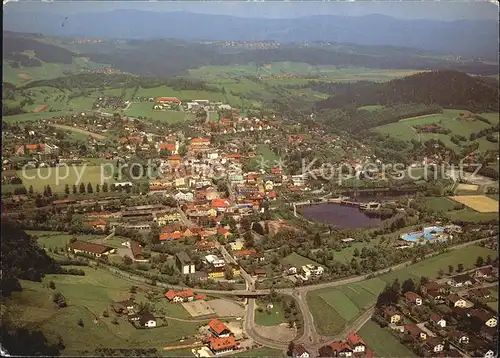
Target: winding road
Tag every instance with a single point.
(311, 339)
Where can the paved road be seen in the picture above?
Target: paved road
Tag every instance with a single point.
(309, 337)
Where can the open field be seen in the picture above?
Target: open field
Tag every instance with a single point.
(58, 177)
(297, 260)
(146, 110)
(79, 130)
(480, 203)
(373, 107)
(328, 72)
(87, 297)
(494, 294)
(448, 119)
(270, 317)
(54, 240)
(439, 203)
(333, 308)
(226, 308)
(19, 76)
(382, 342)
(467, 187)
(183, 95)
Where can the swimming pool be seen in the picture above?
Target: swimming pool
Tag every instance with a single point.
(427, 233)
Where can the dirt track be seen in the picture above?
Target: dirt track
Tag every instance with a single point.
(79, 130)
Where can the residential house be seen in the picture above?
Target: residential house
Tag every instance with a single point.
(434, 344)
(123, 307)
(218, 328)
(356, 342)
(486, 317)
(459, 337)
(412, 298)
(415, 332)
(455, 300)
(392, 315)
(146, 319)
(299, 351)
(200, 142)
(174, 160)
(436, 296)
(260, 272)
(289, 270)
(244, 253)
(479, 293)
(224, 232)
(221, 205)
(184, 196)
(460, 281)
(437, 321)
(336, 349)
(168, 100)
(170, 147)
(237, 245)
(483, 272)
(432, 286)
(181, 296)
(184, 263)
(219, 345)
(137, 252)
(90, 248)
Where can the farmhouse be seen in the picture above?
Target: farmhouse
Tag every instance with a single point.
(146, 319)
(336, 349)
(184, 263)
(300, 352)
(168, 100)
(90, 248)
(181, 296)
(460, 281)
(137, 252)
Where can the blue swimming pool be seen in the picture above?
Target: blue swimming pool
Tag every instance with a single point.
(428, 233)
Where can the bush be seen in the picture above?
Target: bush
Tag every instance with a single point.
(105, 313)
(80, 322)
(52, 285)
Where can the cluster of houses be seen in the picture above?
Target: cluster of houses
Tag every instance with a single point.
(354, 346)
(449, 316)
(139, 319)
(221, 339)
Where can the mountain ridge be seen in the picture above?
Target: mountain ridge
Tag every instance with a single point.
(462, 37)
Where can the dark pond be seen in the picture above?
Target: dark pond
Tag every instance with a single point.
(340, 216)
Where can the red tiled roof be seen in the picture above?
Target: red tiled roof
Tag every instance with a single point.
(411, 296)
(35, 146)
(233, 156)
(217, 326)
(222, 231)
(89, 247)
(136, 249)
(220, 203)
(171, 236)
(218, 344)
(276, 170)
(200, 140)
(201, 297)
(338, 346)
(245, 252)
(170, 294)
(168, 99)
(174, 157)
(168, 146)
(354, 339)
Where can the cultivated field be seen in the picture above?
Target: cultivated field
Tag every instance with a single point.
(333, 308)
(479, 203)
(198, 308)
(467, 187)
(296, 260)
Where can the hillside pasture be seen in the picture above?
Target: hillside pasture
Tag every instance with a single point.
(87, 298)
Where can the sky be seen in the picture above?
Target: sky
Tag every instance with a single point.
(444, 10)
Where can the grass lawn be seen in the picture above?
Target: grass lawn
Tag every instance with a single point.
(186, 352)
(58, 177)
(448, 119)
(494, 293)
(374, 107)
(439, 203)
(296, 260)
(382, 342)
(49, 239)
(332, 308)
(271, 317)
(87, 297)
(260, 352)
(145, 109)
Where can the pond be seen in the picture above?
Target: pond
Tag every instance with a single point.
(340, 216)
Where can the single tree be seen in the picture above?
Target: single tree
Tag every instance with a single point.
(49, 191)
(105, 187)
(82, 188)
(105, 313)
(356, 252)
(479, 261)
(127, 260)
(30, 189)
(80, 322)
(97, 188)
(440, 273)
(488, 260)
(460, 267)
(408, 286)
(74, 189)
(66, 189)
(89, 188)
(450, 269)
(52, 285)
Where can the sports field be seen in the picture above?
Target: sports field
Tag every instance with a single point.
(480, 203)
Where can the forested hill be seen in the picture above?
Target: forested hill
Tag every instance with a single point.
(448, 89)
